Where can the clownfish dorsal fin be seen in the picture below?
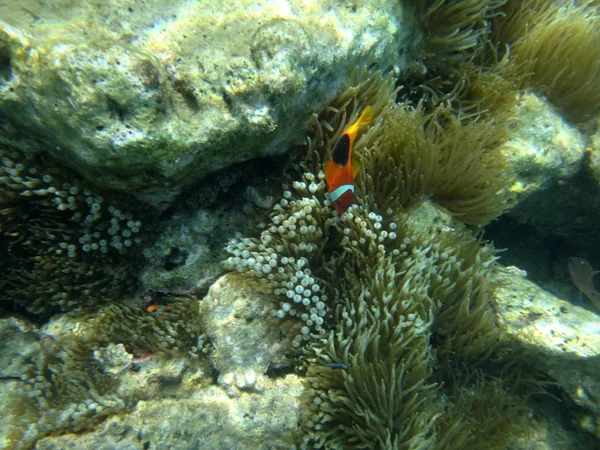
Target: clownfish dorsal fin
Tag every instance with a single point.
(366, 117)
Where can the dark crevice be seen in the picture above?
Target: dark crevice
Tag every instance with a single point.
(5, 65)
(187, 94)
(280, 372)
(116, 109)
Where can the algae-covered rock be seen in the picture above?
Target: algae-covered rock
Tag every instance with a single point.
(551, 191)
(172, 402)
(544, 149)
(208, 420)
(247, 340)
(157, 95)
(186, 254)
(561, 339)
(190, 238)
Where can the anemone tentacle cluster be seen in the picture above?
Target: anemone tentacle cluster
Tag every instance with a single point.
(391, 306)
(67, 240)
(282, 257)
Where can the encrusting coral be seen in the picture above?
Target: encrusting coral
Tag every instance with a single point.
(67, 245)
(386, 311)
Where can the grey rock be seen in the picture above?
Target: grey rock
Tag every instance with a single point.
(247, 339)
(209, 420)
(114, 358)
(559, 338)
(155, 96)
(550, 190)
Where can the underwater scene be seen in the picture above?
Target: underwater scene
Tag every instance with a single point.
(300, 224)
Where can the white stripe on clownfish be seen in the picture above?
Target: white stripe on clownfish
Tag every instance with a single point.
(338, 192)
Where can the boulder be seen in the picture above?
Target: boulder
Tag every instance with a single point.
(152, 97)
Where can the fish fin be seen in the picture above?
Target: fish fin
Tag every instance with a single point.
(356, 166)
(366, 117)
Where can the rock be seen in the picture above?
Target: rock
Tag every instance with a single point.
(20, 348)
(548, 431)
(593, 154)
(186, 256)
(114, 358)
(209, 420)
(550, 191)
(544, 149)
(561, 340)
(247, 340)
(151, 97)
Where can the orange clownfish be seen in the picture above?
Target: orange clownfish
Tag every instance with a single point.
(339, 172)
(155, 310)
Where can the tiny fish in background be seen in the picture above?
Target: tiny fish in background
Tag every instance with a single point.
(339, 173)
(340, 366)
(155, 310)
(582, 276)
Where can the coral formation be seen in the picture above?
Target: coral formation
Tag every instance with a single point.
(68, 245)
(190, 237)
(246, 340)
(386, 308)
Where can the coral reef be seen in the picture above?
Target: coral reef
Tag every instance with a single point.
(67, 244)
(190, 236)
(207, 419)
(377, 300)
(406, 331)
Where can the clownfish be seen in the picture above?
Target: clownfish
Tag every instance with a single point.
(339, 171)
(155, 310)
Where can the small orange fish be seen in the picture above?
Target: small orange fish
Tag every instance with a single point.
(155, 310)
(339, 170)
(582, 276)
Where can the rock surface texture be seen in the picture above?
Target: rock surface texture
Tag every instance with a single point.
(157, 95)
(562, 340)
